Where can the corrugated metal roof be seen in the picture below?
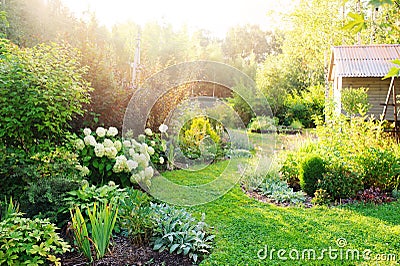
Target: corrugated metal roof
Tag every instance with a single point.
(364, 60)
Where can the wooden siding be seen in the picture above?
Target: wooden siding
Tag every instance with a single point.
(377, 92)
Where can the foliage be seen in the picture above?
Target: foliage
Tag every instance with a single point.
(81, 234)
(177, 231)
(29, 242)
(254, 173)
(262, 124)
(102, 221)
(396, 194)
(339, 181)
(355, 101)
(86, 196)
(200, 138)
(379, 168)
(105, 157)
(279, 191)
(304, 106)
(321, 197)
(43, 89)
(9, 209)
(311, 170)
(135, 216)
(45, 198)
(373, 195)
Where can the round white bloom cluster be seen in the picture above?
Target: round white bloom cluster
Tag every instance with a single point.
(89, 140)
(79, 144)
(112, 131)
(101, 132)
(148, 132)
(83, 170)
(163, 128)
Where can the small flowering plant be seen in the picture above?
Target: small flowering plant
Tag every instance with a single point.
(105, 157)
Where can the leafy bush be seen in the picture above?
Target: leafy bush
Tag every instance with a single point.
(355, 101)
(177, 231)
(29, 242)
(339, 181)
(45, 198)
(279, 191)
(262, 124)
(135, 216)
(42, 89)
(379, 168)
(311, 170)
(86, 196)
(200, 138)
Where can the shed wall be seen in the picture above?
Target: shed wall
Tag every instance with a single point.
(377, 92)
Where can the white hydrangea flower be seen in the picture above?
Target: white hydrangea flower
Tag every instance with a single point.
(132, 152)
(142, 160)
(79, 144)
(112, 131)
(150, 150)
(163, 128)
(153, 143)
(89, 140)
(148, 132)
(101, 132)
(111, 183)
(118, 145)
(148, 172)
(141, 138)
(87, 131)
(127, 144)
(144, 148)
(136, 144)
(120, 164)
(99, 150)
(132, 165)
(108, 143)
(161, 160)
(110, 152)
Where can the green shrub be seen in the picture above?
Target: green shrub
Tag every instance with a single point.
(45, 198)
(42, 89)
(177, 231)
(29, 242)
(262, 123)
(200, 138)
(135, 216)
(311, 170)
(86, 196)
(379, 168)
(355, 101)
(340, 182)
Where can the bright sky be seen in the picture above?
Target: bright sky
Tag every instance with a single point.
(214, 15)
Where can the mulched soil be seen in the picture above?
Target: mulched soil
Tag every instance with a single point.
(123, 253)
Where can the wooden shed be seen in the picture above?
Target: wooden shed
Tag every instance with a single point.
(364, 66)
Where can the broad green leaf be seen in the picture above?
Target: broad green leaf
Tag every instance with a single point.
(357, 23)
(393, 72)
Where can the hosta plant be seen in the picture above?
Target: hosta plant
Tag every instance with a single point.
(279, 191)
(177, 231)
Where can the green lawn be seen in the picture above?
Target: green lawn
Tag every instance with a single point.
(245, 227)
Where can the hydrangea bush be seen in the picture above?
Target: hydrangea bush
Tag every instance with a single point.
(105, 157)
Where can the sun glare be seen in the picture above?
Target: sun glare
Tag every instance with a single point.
(215, 16)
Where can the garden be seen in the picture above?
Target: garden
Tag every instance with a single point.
(218, 170)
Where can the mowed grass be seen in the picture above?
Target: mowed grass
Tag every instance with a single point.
(249, 232)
